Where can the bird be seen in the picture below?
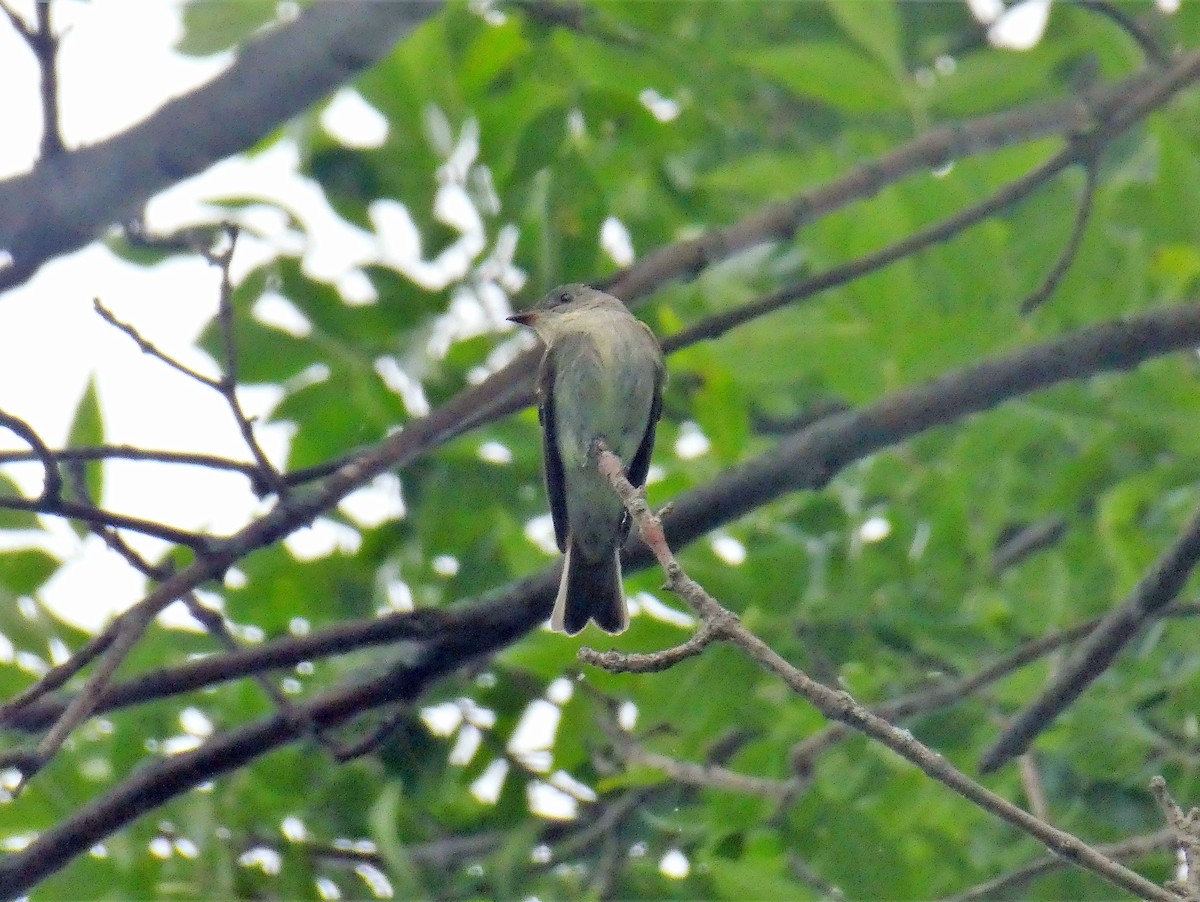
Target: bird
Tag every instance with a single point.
(601, 378)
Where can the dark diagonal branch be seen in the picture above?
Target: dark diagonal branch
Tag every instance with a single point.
(838, 706)
(440, 642)
(1156, 589)
(69, 198)
(804, 460)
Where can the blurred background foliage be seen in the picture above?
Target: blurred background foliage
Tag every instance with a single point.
(512, 139)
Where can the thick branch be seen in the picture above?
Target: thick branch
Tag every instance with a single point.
(806, 460)
(70, 197)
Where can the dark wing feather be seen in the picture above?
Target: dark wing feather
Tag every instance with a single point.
(551, 461)
(640, 465)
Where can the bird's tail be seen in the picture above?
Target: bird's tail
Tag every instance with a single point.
(590, 591)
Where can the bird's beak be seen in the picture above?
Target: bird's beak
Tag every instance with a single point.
(525, 318)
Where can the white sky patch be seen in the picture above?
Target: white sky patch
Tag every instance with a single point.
(627, 716)
(356, 289)
(410, 390)
(442, 719)
(551, 802)
(536, 728)
(59, 653)
(674, 865)
(177, 745)
(327, 889)
(445, 565)
(986, 11)
(379, 501)
(540, 531)
(490, 783)
(399, 595)
(560, 779)
(1020, 27)
(377, 881)
(691, 442)
(195, 722)
(616, 242)
(160, 847)
(273, 309)
(353, 121)
(1167, 6)
(322, 539)
(90, 587)
(875, 529)
(465, 745)
(652, 607)
(293, 829)
(728, 549)
(560, 691)
(186, 848)
(664, 109)
(495, 453)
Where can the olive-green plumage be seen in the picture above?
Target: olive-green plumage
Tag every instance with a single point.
(601, 377)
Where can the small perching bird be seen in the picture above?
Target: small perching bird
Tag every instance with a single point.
(601, 377)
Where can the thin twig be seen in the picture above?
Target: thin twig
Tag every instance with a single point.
(52, 479)
(1149, 45)
(1185, 831)
(148, 347)
(706, 776)
(227, 384)
(1156, 589)
(840, 706)
(1070, 250)
(1002, 887)
(43, 43)
(128, 452)
(87, 513)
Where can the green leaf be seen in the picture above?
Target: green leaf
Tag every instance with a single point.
(87, 429)
(210, 26)
(833, 74)
(13, 519)
(24, 572)
(874, 26)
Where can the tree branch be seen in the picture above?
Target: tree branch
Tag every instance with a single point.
(1156, 589)
(68, 198)
(838, 706)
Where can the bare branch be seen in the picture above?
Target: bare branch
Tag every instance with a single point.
(148, 347)
(1156, 589)
(43, 42)
(839, 706)
(1082, 215)
(1150, 46)
(1001, 887)
(52, 478)
(1185, 831)
(67, 199)
(227, 385)
(128, 452)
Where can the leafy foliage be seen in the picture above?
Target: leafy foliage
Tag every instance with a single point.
(883, 581)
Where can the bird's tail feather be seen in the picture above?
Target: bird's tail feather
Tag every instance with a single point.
(590, 591)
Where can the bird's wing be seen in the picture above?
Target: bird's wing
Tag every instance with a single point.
(640, 465)
(551, 461)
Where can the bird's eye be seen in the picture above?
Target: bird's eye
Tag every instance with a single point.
(564, 298)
